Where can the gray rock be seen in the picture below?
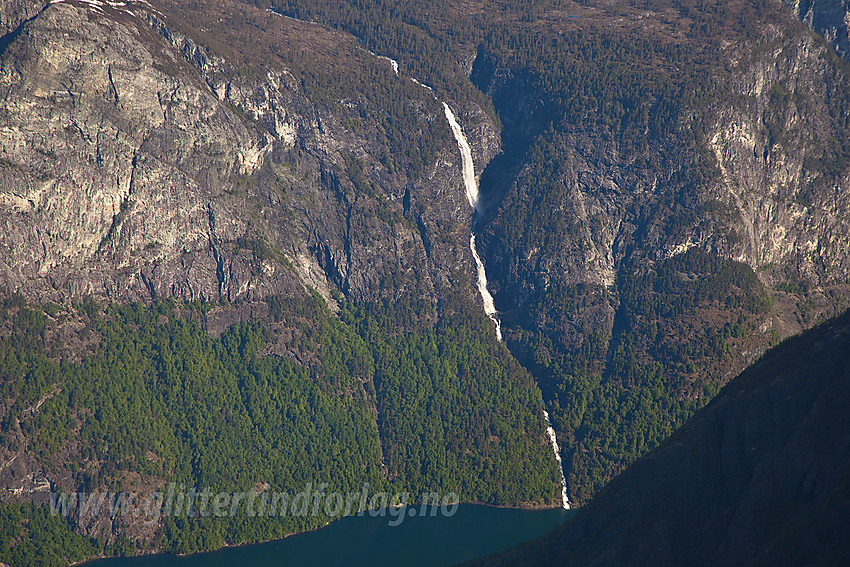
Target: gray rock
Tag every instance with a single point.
(829, 18)
(135, 163)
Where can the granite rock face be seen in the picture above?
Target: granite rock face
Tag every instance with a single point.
(137, 163)
(829, 18)
(789, 213)
(770, 204)
(13, 13)
(104, 186)
(777, 198)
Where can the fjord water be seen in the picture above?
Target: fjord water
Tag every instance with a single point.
(473, 531)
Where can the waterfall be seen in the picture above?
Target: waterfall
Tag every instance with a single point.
(489, 305)
(393, 63)
(565, 502)
(468, 167)
(471, 184)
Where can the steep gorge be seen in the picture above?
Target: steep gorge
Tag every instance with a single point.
(652, 217)
(592, 214)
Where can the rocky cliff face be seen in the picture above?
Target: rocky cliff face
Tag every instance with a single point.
(136, 162)
(586, 220)
(15, 12)
(777, 200)
(221, 152)
(769, 146)
(104, 189)
(829, 18)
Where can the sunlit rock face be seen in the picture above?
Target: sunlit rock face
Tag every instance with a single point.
(137, 163)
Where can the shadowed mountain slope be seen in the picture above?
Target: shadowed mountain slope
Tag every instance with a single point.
(761, 476)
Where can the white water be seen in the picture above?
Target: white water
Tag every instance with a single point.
(393, 63)
(470, 183)
(489, 306)
(565, 502)
(468, 167)
(423, 85)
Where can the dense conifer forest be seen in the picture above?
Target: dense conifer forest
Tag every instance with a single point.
(415, 394)
(438, 410)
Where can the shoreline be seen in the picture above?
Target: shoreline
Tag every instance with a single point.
(525, 506)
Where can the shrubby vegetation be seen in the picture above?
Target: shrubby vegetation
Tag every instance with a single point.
(362, 91)
(30, 535)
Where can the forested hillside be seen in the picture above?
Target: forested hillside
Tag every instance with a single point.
(155, 399)
(758, 477)
(635, 250)
(235, 244)
(631, 245)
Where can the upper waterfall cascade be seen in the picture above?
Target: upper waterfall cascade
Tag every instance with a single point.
(470, 183)
(468, 166)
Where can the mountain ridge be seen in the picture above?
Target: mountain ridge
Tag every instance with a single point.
(665, 190)
(757, 477)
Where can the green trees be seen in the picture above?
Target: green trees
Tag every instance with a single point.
(615, 398)
(357, 400)
(212, 412)
(456, 414)
(40, 538)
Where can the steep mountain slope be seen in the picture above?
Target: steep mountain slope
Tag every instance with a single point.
(237, 172)
(829, 18)
(664, 195)
(758, 477)
(675, 201)
(634, 134)
(139, 163)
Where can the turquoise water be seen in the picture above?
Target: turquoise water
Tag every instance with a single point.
(473, 531)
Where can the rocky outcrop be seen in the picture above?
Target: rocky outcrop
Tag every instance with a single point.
(13, 13)
(772, 148)
(585, 217)
(115, 172)
(759, 477)
(829, 18)
(136, 162)
(779, 200)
